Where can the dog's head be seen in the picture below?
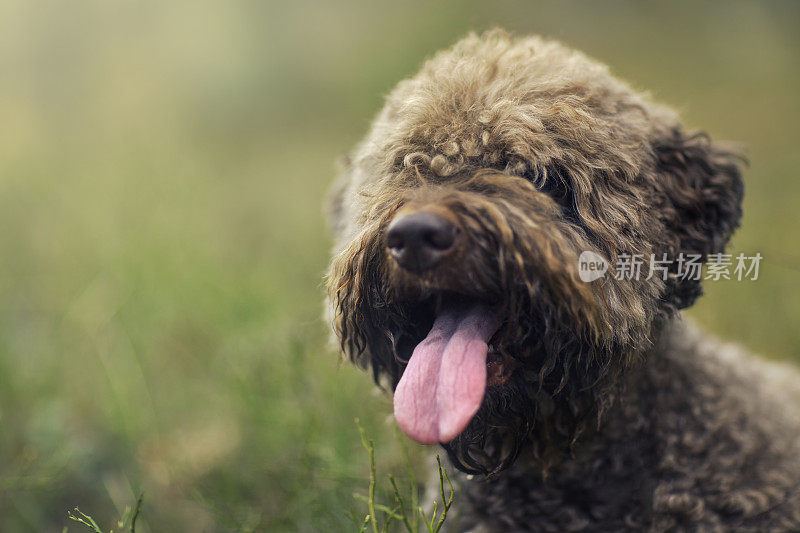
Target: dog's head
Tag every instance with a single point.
(460, 221)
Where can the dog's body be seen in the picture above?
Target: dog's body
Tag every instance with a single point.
(705, 438)
(590, 406)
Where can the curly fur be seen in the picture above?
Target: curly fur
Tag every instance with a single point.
(614, 416)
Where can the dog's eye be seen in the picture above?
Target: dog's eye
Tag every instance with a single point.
(557, 185)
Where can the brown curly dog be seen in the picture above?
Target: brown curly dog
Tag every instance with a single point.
(569, 405)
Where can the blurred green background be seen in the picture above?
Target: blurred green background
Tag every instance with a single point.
(162, 171)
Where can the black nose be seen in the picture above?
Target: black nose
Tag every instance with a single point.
(418, 241)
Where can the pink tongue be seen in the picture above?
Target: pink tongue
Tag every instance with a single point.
(443, 384)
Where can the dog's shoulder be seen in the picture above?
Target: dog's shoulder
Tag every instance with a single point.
(728, 427)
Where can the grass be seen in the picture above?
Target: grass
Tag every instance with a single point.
(408, 512)
(128, 520)
(162, 245)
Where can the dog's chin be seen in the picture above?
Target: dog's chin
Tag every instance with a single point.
(493, 439)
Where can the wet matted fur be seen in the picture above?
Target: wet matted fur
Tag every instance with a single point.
(608, 411)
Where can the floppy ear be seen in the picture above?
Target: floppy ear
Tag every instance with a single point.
(699, 193)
